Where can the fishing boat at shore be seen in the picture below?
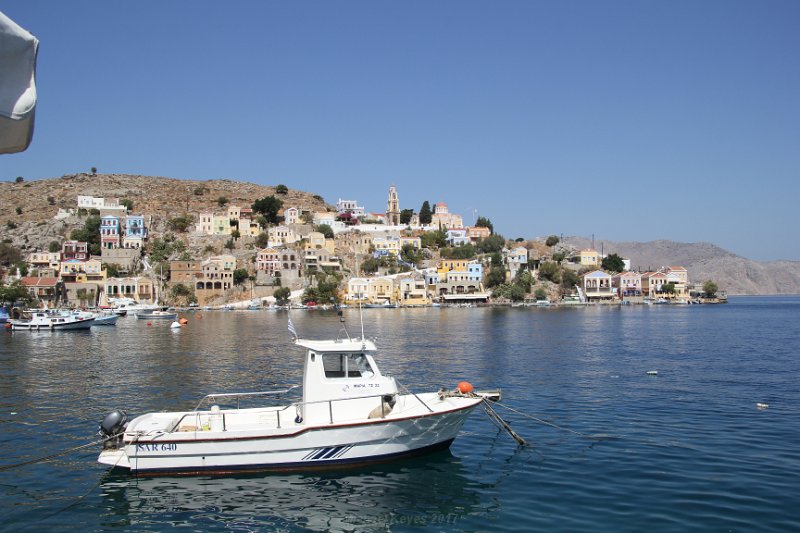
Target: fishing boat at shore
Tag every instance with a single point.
(52, 321)
(350, 414)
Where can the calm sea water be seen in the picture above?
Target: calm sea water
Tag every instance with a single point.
(686, 449)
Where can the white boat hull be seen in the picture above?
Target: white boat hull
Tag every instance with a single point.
(25, 325)
(407, 431)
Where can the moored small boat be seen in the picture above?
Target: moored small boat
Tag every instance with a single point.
(349, 415)
(156, 314)
(49, 321)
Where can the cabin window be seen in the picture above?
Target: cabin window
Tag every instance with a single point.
(346, 365)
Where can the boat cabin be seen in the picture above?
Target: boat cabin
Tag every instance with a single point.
(341, 380)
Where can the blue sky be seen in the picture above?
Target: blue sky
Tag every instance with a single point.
(629, 120)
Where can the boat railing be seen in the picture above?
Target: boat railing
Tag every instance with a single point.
(203, 419)
(238, 396)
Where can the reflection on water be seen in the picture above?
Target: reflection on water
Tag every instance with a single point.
(690, 449)
(430, 491)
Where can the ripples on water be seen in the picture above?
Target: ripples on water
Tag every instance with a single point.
(684, 450)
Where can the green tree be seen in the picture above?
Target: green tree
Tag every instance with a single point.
(113, 270)
(524, 279)
(668, 288)
(410, 254)
(269, 207)
(15, 292)
(282, 295)
(262, 240)
(569, 278)
(483, 222)
(51, 200)
(10, 224)
(127, 203)
(325, 230)
(282, 189)
(179, 290)
(240, 275)
(425, 214)
(18, 210)
(466, 251)
(180, 223)
(552, 240)
(19, 179)
(516, 293)
(9, 254)
(222, 200)
(613, 263)
(405, 216)
(370, 265)
(550, 271)
(54, 247)
(710, 288)
(496, 276)
(492, 243)
(434, 239)
(236, 234)
(94, 171)
(540, 293)
(230, 244)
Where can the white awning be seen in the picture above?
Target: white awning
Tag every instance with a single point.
(18, 50)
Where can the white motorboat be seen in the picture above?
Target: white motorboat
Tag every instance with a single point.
(156, 314)
(349, 415)
(121, 306)
(106, 319)
(43, 320)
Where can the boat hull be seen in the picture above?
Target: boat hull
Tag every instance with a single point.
(68, 326)
(293, 448)
(107, 320)
(150, 316)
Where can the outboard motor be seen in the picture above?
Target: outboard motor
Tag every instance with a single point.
(113, 425)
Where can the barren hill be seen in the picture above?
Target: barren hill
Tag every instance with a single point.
(163, 198)
(704, 261)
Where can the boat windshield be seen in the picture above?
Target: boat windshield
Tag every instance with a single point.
(350, 365)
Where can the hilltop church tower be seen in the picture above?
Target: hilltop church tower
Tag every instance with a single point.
(393, 208)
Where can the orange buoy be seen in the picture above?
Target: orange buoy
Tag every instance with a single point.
(465, 387)
(183, 321)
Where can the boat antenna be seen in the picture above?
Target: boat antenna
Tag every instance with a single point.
(361, 316)
(341, 317)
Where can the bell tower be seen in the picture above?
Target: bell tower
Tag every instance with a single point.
(393, 208)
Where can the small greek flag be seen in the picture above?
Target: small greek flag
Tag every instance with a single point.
(291, 329)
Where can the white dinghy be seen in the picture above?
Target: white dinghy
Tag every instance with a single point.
(349, 415)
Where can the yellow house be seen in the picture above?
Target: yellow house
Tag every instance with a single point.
(412, 292)
(589, 257)
(317, 241)
(380, 290)
(75, 271)
(452, 265)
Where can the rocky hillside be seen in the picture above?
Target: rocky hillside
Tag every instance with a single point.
(31, 206)
(733, 273)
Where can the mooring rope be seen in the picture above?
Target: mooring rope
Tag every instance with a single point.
(46, 458)
(503, 424)
(562, 428)
(86, 494)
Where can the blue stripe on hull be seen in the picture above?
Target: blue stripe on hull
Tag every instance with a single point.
(303, 466)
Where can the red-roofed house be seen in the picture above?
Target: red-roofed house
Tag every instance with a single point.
(44, 290)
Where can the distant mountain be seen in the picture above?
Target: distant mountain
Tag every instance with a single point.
(704, 261)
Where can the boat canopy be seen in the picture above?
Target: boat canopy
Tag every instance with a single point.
(345, 345)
